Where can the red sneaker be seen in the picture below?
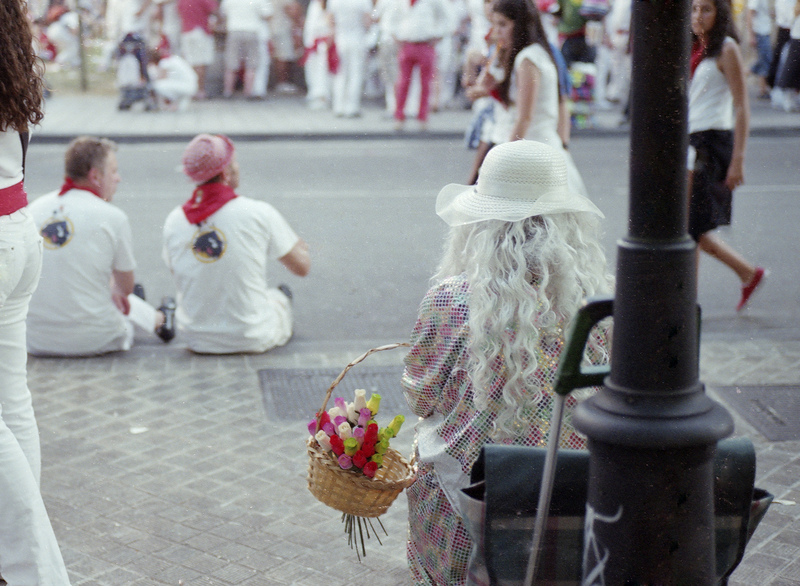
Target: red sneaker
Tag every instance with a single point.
(749, 289)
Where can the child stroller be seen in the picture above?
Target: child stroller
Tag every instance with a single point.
(132, 79)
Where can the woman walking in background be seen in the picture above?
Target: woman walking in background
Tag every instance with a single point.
(719, 122)
(29, 554)
(524, 80)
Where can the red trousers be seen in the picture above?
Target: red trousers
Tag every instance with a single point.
(422, 55)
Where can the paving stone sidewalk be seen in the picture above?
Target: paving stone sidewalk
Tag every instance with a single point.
(161, 467)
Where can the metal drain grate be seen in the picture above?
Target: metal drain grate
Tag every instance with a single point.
(773, 411)
(297, 393)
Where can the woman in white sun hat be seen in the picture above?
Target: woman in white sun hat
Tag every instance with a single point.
(522, 255)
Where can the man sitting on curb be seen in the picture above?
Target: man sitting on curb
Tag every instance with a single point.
(217, 246)
(84, 304)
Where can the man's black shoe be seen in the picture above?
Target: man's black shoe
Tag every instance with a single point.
(284, 288)
(167, 330)
(138, 290)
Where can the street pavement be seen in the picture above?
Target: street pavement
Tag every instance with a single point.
(161, 467)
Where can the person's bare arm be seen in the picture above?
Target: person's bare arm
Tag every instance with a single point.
(732, 67)
(528, 84)
(121, 286)
(297, 260)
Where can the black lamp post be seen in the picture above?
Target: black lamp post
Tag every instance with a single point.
(652, 430)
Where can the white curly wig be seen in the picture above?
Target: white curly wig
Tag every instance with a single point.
(537, 272)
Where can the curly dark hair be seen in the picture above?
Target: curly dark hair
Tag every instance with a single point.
(21, 83)
(723, 27)
(528, 29)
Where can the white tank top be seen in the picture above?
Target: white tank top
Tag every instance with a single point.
(710, 98)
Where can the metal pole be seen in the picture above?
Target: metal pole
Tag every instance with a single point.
(652, 430)
(82, 53)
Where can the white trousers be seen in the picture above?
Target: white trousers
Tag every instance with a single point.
(349, 80)
(29, 553)
(318, 77)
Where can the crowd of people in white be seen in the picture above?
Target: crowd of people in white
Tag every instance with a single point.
(415, 54)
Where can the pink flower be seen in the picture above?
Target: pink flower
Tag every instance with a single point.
(312, 427)
(345, 461)
(364, 417)
(329, 428)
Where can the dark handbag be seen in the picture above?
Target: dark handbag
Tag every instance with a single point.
(499, 509)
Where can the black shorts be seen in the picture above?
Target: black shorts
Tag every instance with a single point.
(710, 201)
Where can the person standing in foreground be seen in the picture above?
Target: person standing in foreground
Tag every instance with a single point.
(719, 122)
(522, 254)
(85, 304)
(29, 552)
(217, 246)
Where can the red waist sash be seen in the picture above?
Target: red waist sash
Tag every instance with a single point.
(12, 199)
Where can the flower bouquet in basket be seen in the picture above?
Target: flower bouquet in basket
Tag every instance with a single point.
(351, 466)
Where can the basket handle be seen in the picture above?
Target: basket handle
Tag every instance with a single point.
(348, 367)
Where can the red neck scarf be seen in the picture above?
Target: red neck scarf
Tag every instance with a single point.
(207, 199)
(698, 54)
(70, 184)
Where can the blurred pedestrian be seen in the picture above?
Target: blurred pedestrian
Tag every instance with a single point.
(420, 25)
(788, 80)
(522, 254)
(29, 553)
(351, 20)
(286, 18)
(387, 51)
(529, 96)
(243, 23)
(572, 33)
(197, 38)
(784, 17)
(86, 303)
(759, 28)
(719, 122)
(217, 246)
(174, 81)
(320, 59)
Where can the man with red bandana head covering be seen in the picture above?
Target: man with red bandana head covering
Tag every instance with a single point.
(217, 245)
(85, 303)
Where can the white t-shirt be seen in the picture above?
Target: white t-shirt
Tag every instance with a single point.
(349, 17)
(544, 116)
(10, 158)
(710, 98)
(245, 15)
(220, 271)
(784, 13)
(424, 21)
(762, 22)
(85, 239)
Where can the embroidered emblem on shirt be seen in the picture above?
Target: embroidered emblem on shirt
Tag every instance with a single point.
(208, 244)
(57, 232)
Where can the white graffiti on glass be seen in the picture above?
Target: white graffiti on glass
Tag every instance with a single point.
(592, 556)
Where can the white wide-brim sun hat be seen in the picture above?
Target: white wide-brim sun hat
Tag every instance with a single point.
(517, 180)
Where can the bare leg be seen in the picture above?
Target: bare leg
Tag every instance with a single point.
(249, 78)
(480, 154)
(712, 245)
(228, 81)
(201, 81)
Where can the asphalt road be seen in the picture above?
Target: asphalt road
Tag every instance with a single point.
(366, 209)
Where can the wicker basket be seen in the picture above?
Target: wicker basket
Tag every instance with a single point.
(349, 491)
